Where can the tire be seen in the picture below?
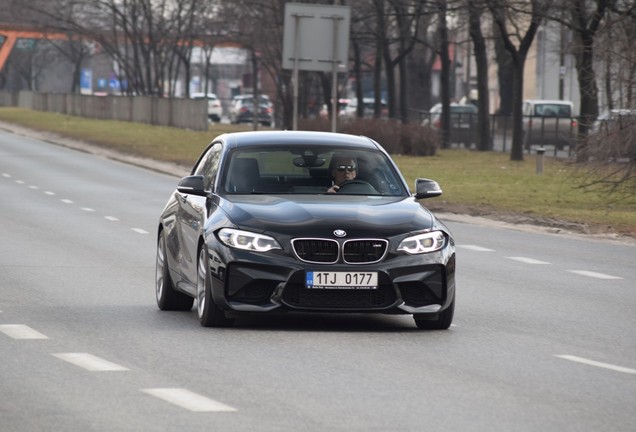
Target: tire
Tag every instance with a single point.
(210, 315)
(441, 322)
(168, 299)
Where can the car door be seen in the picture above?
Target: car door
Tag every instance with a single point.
(192, 214)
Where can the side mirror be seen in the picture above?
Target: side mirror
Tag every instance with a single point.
(426, 188)
(192, 185)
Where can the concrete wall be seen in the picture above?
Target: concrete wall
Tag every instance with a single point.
(181, 113)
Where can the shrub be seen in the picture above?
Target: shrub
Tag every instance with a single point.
(608, 156)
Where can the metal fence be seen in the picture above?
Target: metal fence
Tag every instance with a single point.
(557, 135)
(180, 113)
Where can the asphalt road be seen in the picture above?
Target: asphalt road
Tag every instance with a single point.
(543, 338)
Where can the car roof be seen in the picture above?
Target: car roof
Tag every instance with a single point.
(295, 138)
(250, 96)
(202, 95)
(548, 101)
(459, 107)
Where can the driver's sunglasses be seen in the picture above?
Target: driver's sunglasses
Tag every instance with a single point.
(342, 168)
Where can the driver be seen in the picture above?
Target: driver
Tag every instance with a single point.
(343, 169)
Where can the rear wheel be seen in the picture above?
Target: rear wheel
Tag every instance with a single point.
(210, 315)
(442, 321)
(167, 297)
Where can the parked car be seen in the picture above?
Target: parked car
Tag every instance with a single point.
(238, 107)
(253, 230)
(243, 112)
(463, 119)
(351, 109)
(215, 109)
(342, 107)
(614, 120)
(613, 133)
(548, 122)
(236, 101)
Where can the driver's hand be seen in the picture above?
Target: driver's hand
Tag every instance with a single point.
(333, 189)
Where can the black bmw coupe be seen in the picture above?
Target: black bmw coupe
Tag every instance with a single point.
(303, 221)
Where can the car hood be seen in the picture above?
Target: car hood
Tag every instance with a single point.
(320, 215)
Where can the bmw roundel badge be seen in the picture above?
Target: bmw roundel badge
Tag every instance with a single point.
(340, 233)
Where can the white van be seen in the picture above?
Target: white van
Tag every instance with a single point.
(548, 121)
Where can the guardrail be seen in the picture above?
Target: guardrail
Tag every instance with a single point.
(180, 113)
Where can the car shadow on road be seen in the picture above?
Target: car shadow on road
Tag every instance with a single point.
(327, 322)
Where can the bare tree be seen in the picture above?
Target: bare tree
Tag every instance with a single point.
(611, 157)
(407, 18)
(148, 40)
(505, 73)
(517, 22)
(610, 147)
(476, 10)
(584, 18)
(258, 26)
(442, 32)
(73, 47)
(421, 62)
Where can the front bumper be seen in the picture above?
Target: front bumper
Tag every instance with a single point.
(407, 284)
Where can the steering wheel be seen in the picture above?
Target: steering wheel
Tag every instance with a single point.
(357, 187)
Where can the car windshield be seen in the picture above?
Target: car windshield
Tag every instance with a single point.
(469, 109)
(553, 110)
(308, 170)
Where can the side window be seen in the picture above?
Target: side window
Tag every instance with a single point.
(525, 109)
(209, 165)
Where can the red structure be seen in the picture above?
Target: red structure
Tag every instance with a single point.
(11, 35)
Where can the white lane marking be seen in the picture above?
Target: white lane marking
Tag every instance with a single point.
(188, 400)
(49, 193)
(34, 187)
(89, 362)
(20, 331)
(597, 364)
(88, 209)
(67, 201)
(527, 260)
(111, 218)
(5, 175)
(19, 181)
(594, 274)
(140, 231)
(475, 248)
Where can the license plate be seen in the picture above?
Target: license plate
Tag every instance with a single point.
(342, 280)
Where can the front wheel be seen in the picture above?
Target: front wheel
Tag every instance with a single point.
(441, 322)
(167, 297)
(210, 315)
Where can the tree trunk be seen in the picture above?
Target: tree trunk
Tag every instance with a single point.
(446, 72)
(516, 153)
(481, 59)
(505, 72)
(518, 55)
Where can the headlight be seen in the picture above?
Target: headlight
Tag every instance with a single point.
(423, 243)
(247, 241)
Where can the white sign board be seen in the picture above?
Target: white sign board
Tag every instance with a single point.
(315, 36)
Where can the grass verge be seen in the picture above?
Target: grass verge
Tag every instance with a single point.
(482, 183)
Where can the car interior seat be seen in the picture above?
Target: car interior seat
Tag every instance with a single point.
(244, 175)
